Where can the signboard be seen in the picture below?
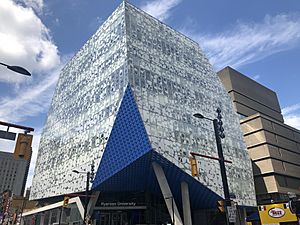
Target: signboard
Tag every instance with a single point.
(276, 214)
(110, 204)
(231, 212)
(121, 205)
(7, 135)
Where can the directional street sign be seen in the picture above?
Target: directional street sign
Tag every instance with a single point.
(231, 212)
(7, 135)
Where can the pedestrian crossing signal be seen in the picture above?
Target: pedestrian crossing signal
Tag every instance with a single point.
(66, 201)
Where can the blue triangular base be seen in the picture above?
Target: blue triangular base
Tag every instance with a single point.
(139, 177)
(127, 142)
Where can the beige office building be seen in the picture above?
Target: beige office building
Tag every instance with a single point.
(274, 147)
(14, 167)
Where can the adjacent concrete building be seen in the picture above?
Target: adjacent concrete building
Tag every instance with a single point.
(274, 147)
(14, 166)
(13, 171)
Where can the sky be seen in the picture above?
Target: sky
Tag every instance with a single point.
(261, 39)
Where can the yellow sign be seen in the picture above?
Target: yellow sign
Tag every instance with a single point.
(275, 214)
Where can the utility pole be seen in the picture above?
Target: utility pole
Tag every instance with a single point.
(222, 168)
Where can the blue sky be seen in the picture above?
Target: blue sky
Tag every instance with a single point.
(261, 39)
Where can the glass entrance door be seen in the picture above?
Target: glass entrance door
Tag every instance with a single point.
(105, 219)
(113, 218)
(116, 218)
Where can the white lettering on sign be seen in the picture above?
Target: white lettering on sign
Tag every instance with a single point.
(276, 212)
(111, 204)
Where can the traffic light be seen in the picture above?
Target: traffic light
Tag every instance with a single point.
(194, 169)
(23, 146)
(92, 176)
(221, 206)
(66, 201)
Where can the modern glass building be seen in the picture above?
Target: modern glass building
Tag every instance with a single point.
(126, 101)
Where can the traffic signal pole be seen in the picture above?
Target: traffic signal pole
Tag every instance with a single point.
(86, 195)
(219, 133)
(89, 178)
(223, 169)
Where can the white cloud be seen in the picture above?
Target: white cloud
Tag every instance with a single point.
(160, 9)
(291, 115)
(290, 109)
(293, 120)
(24, 41)
(30, 100)
(37, 5)
(249, 42)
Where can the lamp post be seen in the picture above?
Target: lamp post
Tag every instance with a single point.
(17, 69)
(173, 214)
(89, 178)
(219, 134)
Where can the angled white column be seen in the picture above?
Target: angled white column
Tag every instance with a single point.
(42, 219)
(167, 194)
(50, 216)
(59, 214)
(92, 202)
(187, 217)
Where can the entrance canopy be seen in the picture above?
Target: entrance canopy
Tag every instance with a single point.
(139, 177)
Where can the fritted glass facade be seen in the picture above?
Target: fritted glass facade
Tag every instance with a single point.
(59, 215)
(83, 110)
(170, 79)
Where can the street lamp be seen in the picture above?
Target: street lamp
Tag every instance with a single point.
(17, 69)
(89, 178)
(219, 134)
(173, 219)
